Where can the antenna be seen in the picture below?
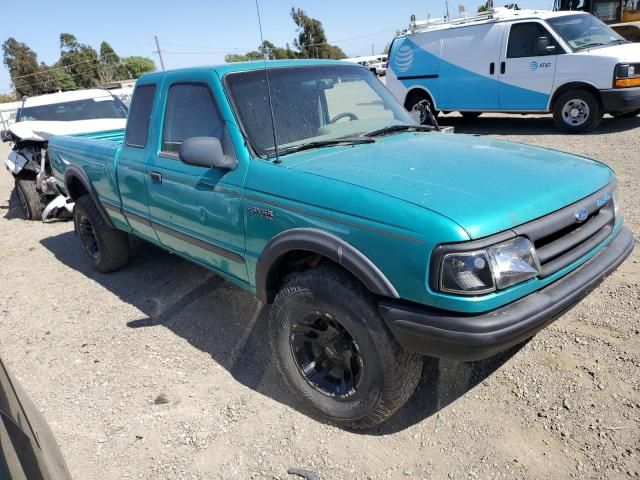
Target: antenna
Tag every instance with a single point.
(266, 74)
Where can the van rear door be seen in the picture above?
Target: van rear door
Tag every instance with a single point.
(526, 71)
(469, 69)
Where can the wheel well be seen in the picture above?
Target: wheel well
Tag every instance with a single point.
(416, 94)
(75, 187)
(573, 86)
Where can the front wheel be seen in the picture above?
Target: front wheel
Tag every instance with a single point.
(631, 114)
(333, 349)
(577, 111)
(29, 198)
(106, 247)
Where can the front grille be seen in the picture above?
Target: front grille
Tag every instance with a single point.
(561, 240)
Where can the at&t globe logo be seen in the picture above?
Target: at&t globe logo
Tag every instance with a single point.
(404, 58)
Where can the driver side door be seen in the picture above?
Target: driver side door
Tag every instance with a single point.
(195, 210)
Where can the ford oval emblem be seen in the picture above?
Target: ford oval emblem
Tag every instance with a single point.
(581, 215)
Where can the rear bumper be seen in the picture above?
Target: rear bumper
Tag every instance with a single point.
(620, 99)
(475, 336)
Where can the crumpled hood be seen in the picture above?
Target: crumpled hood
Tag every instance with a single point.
(42, 131)
(484, 185)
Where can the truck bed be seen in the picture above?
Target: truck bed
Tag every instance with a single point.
(96, 154)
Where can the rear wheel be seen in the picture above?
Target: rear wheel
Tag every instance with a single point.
(577, 111)
(631, 114)
(29, 198)
(336, 354)
(106, 247)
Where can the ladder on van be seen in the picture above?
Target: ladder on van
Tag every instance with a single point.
(417, 26)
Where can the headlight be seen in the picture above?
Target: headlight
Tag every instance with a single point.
(627, 75)
(617, 198)
(483, 271)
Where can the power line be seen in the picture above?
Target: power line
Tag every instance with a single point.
(97, 59)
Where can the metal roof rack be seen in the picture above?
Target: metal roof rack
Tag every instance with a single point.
(488, 15)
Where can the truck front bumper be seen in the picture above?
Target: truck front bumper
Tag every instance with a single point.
(468, 337)
(620, 99)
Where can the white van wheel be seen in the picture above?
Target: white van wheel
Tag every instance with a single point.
(577, 111)
(419, 103)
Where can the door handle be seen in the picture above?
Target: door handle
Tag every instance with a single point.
(492, 68)
(503, 67)
(156, 177)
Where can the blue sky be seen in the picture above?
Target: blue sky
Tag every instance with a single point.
(212, 28)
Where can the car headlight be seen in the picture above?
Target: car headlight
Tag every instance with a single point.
(627, 75)
(493, 268)
(617, 198)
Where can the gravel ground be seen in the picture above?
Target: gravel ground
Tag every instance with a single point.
(162, 371)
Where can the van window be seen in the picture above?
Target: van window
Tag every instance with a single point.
(191, 111)
(522, 40)
(140, 116)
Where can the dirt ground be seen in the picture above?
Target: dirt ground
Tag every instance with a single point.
(96, 351)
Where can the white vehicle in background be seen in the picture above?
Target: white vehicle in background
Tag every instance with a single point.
(8, 112)
(375, 63)
(88, 113)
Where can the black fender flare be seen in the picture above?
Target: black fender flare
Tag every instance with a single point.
(321, 243)
(75, 173)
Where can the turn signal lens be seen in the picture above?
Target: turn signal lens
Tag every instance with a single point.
(627, 82)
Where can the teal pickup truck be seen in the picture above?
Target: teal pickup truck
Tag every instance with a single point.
(376, 240)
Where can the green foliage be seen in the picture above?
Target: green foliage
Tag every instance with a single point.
(22, 63)
(311, 42)
(80, 60)
(135, 67)
(111, 68)
(7, 98)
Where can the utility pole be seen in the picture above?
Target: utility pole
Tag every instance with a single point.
(372, 49)
(159, 52)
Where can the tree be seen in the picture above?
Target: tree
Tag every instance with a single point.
(80, 60)
(311, 40)
(22, 63)
(111, 67)
(135, 67)
(267, 49)
(7, 98)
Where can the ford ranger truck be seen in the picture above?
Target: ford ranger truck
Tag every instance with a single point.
(374, 240)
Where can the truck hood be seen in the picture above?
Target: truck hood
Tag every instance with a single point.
(41, 131)
(625, 52)
(484, 185)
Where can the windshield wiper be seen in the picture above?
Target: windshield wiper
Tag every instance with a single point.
(326, 143)
(589, 45)
(400, 128)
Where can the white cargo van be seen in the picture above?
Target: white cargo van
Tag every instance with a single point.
(567, 63)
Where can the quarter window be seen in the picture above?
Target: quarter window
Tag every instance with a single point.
(140, 116)
(191, 111)
(523, 37)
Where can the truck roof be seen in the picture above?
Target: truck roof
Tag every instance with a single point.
(500, 14)
(70, 96)
(226, 68)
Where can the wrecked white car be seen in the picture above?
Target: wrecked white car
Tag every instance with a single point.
(91, 113)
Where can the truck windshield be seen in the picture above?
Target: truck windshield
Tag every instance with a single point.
(584, 31)
(311, 104)
(87, 109)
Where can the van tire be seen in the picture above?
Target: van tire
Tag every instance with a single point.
(382, 374)
(577, 111)
(418, 100)
(631, 114)
(106, 247)
(29, 198)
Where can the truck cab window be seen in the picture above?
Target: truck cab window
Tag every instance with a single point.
(140, 116)
(191, 111)
(522, 40)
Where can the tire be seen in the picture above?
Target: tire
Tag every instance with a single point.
(631, 114)
(420, 102)
(29, 198)
(106, 247)
(382, 376)
(577, 111)
(470, 115)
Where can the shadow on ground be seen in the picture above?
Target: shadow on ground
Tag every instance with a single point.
(12, 209)
(528, 125)
(231, 326)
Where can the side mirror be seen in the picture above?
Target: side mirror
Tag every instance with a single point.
(543, 47)
(205, 152)
(5, 136)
